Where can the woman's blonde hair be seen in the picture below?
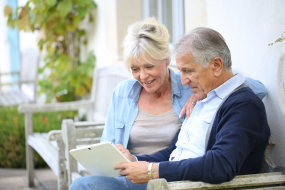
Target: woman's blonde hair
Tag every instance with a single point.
(146, 41)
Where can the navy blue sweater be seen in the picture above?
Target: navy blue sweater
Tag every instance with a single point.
(236, 144)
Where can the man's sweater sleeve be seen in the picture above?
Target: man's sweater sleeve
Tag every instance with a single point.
(162, 155)
(238, 129)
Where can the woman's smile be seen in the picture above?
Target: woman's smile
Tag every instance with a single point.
(148, 83)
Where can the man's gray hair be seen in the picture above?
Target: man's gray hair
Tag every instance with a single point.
(205, 44)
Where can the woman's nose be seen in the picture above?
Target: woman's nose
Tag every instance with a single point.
(143, 74)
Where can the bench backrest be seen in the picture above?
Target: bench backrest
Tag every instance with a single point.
(104, 82)
(268, 165)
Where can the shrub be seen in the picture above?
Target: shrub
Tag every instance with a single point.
(12, 135)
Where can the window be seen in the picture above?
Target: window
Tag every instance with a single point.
(170, 13)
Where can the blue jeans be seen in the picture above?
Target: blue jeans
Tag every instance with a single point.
(105, 183)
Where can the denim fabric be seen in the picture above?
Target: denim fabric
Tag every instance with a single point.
(105, 183)
(257, 87)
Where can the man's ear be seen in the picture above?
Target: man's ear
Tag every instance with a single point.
(217, 66)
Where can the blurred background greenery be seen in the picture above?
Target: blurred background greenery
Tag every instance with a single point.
(61, 41)
(12, 135)
(63, 74)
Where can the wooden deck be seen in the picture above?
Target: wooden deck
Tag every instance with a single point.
(16, 179)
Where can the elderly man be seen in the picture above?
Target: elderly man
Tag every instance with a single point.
(226, 134)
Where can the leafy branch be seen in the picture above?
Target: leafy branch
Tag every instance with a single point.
(58, 21)
(279, 39)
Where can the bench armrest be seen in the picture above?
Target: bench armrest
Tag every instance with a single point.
(242, 181)
(55, 135)
(63, 106)
(88, 123)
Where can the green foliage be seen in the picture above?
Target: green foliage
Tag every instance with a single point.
(279, 39)
(59, 22)
(12, 135)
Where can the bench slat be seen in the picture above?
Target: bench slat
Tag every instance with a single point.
(88, 141)
(89, 132)
(268, 188)
(46, 149)
(238, 182)
(87, 123)
(13, 98)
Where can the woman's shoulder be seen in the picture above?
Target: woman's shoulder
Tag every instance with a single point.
(124, 87)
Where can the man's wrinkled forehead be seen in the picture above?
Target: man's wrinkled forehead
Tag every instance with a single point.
(185, 61)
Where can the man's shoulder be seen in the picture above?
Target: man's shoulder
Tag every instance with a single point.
(243, 96)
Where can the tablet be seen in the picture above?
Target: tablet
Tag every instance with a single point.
(99, 159)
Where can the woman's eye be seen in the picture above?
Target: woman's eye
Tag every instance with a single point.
(151, 66)
(134, 70)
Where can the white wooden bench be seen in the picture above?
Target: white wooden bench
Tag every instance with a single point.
(77, 134)
(271, 176)
(50, 146)
(27, 81)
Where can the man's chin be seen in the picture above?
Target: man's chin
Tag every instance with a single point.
(200, 96)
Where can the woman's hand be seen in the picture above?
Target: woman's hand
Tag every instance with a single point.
(188, 107)
(126, 152)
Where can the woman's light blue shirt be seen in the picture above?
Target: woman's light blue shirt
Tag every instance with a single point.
(123, 108)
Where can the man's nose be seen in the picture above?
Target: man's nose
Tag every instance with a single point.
(184, 79)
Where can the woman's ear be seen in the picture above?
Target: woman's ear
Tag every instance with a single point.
(217, 66)
(168, 61)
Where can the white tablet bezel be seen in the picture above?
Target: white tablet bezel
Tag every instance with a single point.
(99, 159)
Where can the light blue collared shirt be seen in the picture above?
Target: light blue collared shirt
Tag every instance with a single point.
(191, 139)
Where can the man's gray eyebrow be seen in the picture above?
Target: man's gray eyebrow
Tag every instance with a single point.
(187, 68)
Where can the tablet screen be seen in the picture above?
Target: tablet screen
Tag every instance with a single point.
(99, 159)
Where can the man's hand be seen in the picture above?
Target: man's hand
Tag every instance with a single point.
(126, 152)
(189, 106)
(137, 172)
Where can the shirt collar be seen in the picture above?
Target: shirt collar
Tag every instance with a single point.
(136, 88)
(226, 88)
(135, 91)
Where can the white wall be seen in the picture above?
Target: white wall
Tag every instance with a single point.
(106, 34)
(195, 14)
(248, 27)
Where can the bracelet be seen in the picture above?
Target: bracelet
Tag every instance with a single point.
(149, 171)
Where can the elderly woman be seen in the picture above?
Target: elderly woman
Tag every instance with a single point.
(144, 111)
